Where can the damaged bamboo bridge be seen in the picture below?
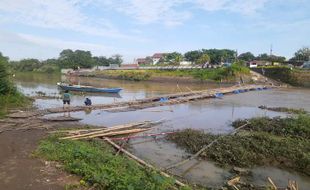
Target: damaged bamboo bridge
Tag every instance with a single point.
(156, 101)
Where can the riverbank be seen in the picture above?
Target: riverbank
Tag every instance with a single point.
(225, 74)
(294, 77)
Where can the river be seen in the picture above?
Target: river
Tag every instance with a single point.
(211, 115)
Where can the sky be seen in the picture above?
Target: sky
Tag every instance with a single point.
(136, 28)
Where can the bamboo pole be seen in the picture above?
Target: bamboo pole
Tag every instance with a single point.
(105, 134)
(118, 127)
(272, 183)
(142, 162)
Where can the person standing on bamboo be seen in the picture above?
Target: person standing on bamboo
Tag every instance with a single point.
(66, 100)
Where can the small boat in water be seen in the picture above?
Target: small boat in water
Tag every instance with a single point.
(87, 88)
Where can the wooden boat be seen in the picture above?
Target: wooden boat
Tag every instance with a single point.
(87, 88)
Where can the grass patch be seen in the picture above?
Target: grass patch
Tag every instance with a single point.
(262, 144)
(98, 165)
(17, 100)
(295, 127)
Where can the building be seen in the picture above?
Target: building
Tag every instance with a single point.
(157, 56)
(140, 61)
(256, 63)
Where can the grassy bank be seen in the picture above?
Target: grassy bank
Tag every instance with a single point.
(218, 74)
(98, 165)
(294, 77)
(277, 142)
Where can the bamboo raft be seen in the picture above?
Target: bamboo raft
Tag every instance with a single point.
(163, 100)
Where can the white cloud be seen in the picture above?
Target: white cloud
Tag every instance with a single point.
(62, 44)
(238, 6)
(176, 12)
(151, 11)
(59, 14)
(20, 45)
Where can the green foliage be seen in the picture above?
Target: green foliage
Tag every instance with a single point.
(287, 127)
(284, 74)
(203, 59)
(75, 59)
(192, 56)
(272, 58)
(220, 55)
(247, 56)
(5, 85)
(173, 58)
(9, 96)
(97, 164)
(26, 65)
(302, 54)
(263, 143)
(216, 55)
(67, 59)
(218, 74)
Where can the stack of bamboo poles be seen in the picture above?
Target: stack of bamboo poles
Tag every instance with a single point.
(125, 129)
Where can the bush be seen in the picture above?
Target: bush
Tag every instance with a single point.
(9, 96)
(280, 142)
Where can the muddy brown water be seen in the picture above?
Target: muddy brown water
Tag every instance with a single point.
(211, 115)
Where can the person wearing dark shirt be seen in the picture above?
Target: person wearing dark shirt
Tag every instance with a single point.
(87, 102)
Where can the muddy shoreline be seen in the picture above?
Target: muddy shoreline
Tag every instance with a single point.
(20, 169)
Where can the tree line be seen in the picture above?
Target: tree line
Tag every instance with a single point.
(84, 59)
(217, 56)
(67, 59)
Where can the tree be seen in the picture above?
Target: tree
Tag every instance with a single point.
(192, 56)
(101, 61)
(263, 57)
(173, 57)
(27, 65)
(116, 59)
(75, 59)
(203, 59)
(274, 58)
(247, 56)
(5, 85)
(302, 54)
(220, 55)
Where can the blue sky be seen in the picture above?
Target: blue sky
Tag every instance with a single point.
(136, 28)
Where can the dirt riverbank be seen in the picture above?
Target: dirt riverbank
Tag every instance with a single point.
(19, 169)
